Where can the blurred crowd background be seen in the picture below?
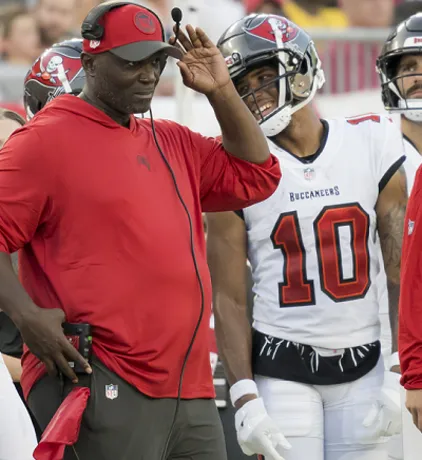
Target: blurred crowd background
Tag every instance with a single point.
(348, 35)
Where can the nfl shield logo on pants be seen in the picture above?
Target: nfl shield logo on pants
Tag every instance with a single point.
(111, 391)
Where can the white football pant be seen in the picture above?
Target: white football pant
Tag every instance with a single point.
(326, 422)
(395, 444)
(17, 434)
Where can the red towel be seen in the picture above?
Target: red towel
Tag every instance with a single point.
(63, 429)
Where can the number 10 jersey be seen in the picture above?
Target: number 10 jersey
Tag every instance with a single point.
(312, 245)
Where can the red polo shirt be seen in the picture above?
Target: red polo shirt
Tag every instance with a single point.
(103, 235)
(410, 309)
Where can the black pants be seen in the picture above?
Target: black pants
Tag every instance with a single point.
(38, 430)
(234, 452)
(132, 426)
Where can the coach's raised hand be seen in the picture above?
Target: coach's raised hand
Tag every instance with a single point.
(202, 67)
(204, 70)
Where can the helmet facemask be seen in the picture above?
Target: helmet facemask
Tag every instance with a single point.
(299, 77)
(392, 85)
(260, 39)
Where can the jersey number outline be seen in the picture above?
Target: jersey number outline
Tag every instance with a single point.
(297, 290)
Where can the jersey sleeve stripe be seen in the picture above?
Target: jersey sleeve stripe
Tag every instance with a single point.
(390, 172)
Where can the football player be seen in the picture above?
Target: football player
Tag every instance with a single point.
(308, 381)
(400, 70)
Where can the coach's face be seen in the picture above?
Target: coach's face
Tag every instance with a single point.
(126, 87)
(263, 81)
(410, 71)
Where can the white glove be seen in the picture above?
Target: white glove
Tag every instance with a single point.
(386, 411)
(257, 433)
(213, 361)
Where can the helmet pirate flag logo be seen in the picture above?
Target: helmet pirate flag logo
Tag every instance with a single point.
(266, 29)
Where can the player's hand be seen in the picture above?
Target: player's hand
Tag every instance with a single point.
(42, 332)
(414, 406)
(202, 67)
(386, 411)
(257, 433)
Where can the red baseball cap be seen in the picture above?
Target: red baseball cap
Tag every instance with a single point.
(133, 33)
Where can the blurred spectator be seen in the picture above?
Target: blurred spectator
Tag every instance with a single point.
(20, 47)
(314, 13)
(406, 9)
(368, 13)
(20, 38)
(55, 20)
(265, 6)
(82, 9)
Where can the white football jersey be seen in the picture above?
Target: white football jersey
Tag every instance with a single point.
(312, 244)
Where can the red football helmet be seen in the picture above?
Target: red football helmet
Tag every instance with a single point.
(57, 71)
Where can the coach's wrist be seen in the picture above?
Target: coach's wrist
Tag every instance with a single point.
(243, 391)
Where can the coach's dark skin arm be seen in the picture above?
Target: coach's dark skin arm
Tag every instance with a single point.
(226, 250)
(203, 69)
(242, 136)
(391, 209)
(41, 329)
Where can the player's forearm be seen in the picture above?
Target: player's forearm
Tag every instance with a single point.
(393, 304)
(234, 338)
(391, 248)
(242, 136)
(391, 210)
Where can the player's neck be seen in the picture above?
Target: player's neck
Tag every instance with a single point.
(304, 134)
(413, 131)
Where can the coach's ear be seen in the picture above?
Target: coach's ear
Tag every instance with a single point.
(89, 62)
